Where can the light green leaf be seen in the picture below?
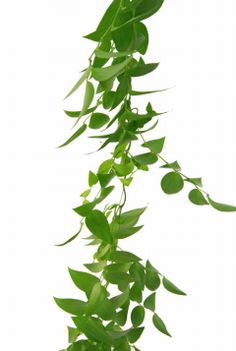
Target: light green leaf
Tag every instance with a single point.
(92, 179)
(96, 298)
(172, 183)
(95, 267)
(155, 146)
(107, 55)
(124, 256)
(141, 70)
(171, 287)
(72, 238)
(75, 307)
(105, 73)
(146, 159)
(84, 76)
(73, 334)
(197, 198)
(80, 131)
(174, 165)
(122, 91)
(98, 225)
(83, 281)
(159, 324)
(88, 98)
(98, 120)
(150, 302)
(120, 300)
(221, 207)
(136, 93)
(124, 169)
(131, 217)
(137, 316)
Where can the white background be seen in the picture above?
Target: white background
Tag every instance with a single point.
(42, 54)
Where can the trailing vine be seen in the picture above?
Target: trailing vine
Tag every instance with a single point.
(119, 288)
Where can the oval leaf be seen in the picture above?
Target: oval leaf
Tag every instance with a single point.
(98, 120)
(221, 207)
(172, 183)
(197, 198)
(160, 325)
(171, 287)
(98, 225)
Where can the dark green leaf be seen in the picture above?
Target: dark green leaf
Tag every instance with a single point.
(171, 287)
(152, 277)
(221, 207)
(108, 99)
(137, 316)
(197, 198)
(124, 346)
(75, 307)
(135, 334)
(136, 293)
(142, 34)
(98, 120)
(172, 183)
(98, 225)
(102, 74)
(155, 146)
(80, 131)
(146, 159)
(124, 256)
(83, 281)
(93, 329)
(141, 70)
(159, 324)
(150, 302)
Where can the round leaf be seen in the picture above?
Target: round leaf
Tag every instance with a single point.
(197, 198)
(172, 183)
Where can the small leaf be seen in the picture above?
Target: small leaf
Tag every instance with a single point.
(96, 298)
(159, 324)
(150, 302)
(136, 293)
(92, 179)
(137, 316)
(135, 334)
(108, 55)
(73, 334)
(104, 179)
(195, 181)
(79, 83)
(75, 307)
(80, 131)
(172, 183)
(98, 225)
(221, 207)
(122, 91)
(72, 238)
(75, 114)
(146, 159)
(105, 73)
(174, 165)
(171, 287)
(136, 93)
(83, 281)
(88, 98)
(125, 232)
(124, 256)
(141, 70)
(152, 277)
(95, 267)
(98, 120)
(85, 193)
(197, 198)
(155, 146)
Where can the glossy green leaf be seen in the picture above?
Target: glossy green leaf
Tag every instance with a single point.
(83, 281)
(155, 146)
(141, 70)
(171, 287)
(122, 91)
(197, 197)
(80, 131)
(98, 120)
(124, 256)
(137, 316)
(146, 159)
(160, 325)
(84, 76)
(102, 74)
(98, 225)
(172, 183)
(150, 302)
(142, 32)
(221, 207)
(72, 306)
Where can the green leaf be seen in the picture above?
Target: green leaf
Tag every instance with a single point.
(106, 311)
(85, 209)
(124, 256)
(122, 91)
(221, 207)
(142, 32)
(98, 225)
(98, 120)
(108, 55)
(117, 278)
(79, 83)
(83, 281)
(72, 238)
(131, 217)
(95, 267)
(135, 334)
(152, 277)
(155, 146)
(124, 169)
(150, 302)
(75, 114)
(120, 300)
(104, 179)
(174, 165)
(195, 181)
(102, 74)
(137, 316)
(141, 70)
(197, 198)
(75, 307)
(136, 93)
(146, 159)
(124, 346)
(92, 179)
(96, 298)
(136, 293)
(172, 183)
(124, 232)
(171, 287)
(107, 100)
(82, 345)
(73, 334)
(106, 21)
(80, 131)
(88, 98)
(159, 324)
(137, 272)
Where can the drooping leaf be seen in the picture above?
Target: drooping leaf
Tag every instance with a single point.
(141, 70)
(83, 281)
(160, 325)
(84, 76)
(73, 334)
(95, 267)
(72, 238)
(195, 181)
(174, 165)
(152, 277)
(124, 256)
(98, 120)
(80, 131)
(150, 302)
(135, 334)
(221, 207)
(75, 114)
(142, 33)
(168, 285)
(122, 91)
(146, 159)
(105, 73)
(197, 197)
(104, 179)
(125, 232)
(72, 306)
(155, 146)
(107, 55)
(96, 298)
(137, 272)
(137, 93)
(136, 293)
(108, 99)
(130, 218)
(137, 316)
(98, 225)
(172, 183)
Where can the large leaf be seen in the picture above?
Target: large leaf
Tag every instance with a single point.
(75, 307)
(83, 281)
(80, 131)
(221, 207)
(96, 298)
(98, 225)
(102, 74)
(172, 183)
(160, 325)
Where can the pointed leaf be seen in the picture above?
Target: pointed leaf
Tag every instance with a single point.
(95, 267)
(171, 287)
(197, 197)
(150, 302)
(80, 131)
(75, 307)
(137, 316)
(221, 207)
(155, 146)
(159, 324)
(98, 120)
(79, 83)
(102, 74)
(83, 281)
(98, 225)
(172, 183)
(141, 70)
